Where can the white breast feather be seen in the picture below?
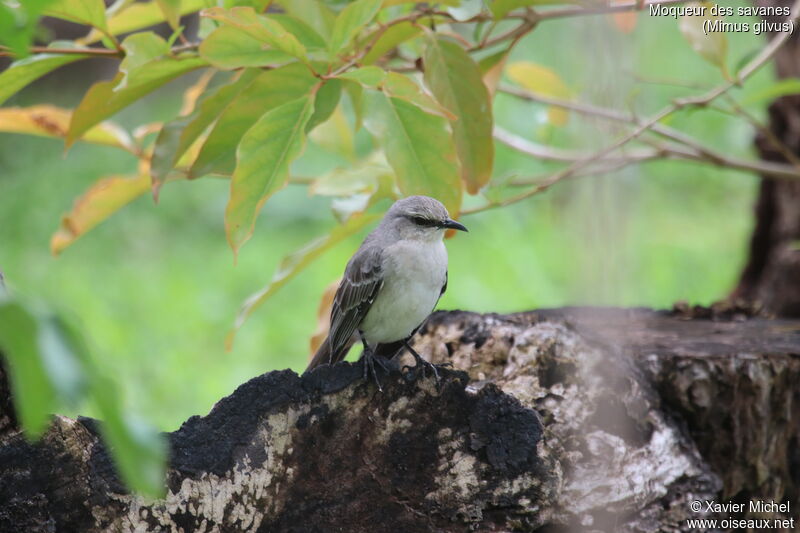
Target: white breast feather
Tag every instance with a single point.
(413, 277)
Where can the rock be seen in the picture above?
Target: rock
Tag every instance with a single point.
(590, 420)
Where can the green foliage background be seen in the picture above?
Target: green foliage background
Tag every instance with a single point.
(155, 289)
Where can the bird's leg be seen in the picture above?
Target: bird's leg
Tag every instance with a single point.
(369, 363)
(423, 363)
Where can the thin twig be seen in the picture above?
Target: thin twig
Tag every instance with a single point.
(594, 170)
(7, 52)
(549, 153)
(512, 35)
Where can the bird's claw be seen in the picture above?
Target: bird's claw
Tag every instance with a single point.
(423, 366)
(369, 367)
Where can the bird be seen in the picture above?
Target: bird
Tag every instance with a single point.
(390, 285)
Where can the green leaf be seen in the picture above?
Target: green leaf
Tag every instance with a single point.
(65, 356)
(27, 70)
(46, 354)
(262, 164)
(774, 90)
(50, 366)
(418, 146)
(229, 48)
(712, 47)
(267, 91)
(103, 199)
(139, 450)
(18, 24)
(326, 101)
(319, 16)
(138, 15)
(335, 134)
(357, 204)
(140, 48)
(171, 10)
(210, 109)
(265, 29)
(397, 85)
(308, 36)
(350, 21)
(360, 177)
(294, 263)
(87, 12)
(455, 80)
(178, 135)
(165, 152)
(34, 393)
(370, 76)
(389, 39)
(355, 93)
(101, 100)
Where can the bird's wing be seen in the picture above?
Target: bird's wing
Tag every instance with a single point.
(363, 279)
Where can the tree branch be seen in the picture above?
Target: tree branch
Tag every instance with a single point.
(698, 152)
(701, 100)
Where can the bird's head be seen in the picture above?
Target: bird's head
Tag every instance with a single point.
(421, 218)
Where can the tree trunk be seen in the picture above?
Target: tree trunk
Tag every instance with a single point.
(771, 277)
(564, 420)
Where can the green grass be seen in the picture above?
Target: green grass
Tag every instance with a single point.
(156, 290)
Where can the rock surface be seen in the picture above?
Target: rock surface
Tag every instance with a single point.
(563, 420)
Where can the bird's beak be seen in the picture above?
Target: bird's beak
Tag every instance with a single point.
(452, 224)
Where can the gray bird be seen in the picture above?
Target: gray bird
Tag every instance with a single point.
(391, 284)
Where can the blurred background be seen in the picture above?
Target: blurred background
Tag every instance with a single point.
(155, 288)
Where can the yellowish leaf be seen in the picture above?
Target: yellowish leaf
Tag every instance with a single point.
(323, 316)
(50, 121)
(541, 80)
(492, 70)
(538, 79)
(103, 199)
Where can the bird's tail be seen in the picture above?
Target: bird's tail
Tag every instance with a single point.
(324, 355)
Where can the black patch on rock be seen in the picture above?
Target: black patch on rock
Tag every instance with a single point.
(506, 431)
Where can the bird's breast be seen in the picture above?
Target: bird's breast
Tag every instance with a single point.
(413, 276)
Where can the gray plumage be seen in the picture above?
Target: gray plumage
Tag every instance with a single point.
(392, 283)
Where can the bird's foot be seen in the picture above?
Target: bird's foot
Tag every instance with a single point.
(423, 366)
(370, 360)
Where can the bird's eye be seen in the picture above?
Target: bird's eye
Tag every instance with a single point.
(422, 221)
